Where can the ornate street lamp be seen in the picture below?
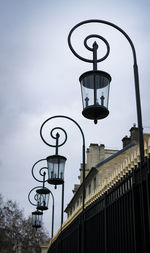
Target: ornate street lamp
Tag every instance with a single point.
(95, 84)
(95, 89)
(36, 215)
(56, 167)
(42, 194)
(95, 94)
(56, 163)
(37, 219)
(43, 198)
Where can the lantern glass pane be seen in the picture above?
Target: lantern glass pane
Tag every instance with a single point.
(37, 219)
(95, 88)
(102, 90)
(42, 201)
(61, 168)
(33, 219)
(87, 89)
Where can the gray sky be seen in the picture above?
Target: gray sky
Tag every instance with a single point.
(39, 79)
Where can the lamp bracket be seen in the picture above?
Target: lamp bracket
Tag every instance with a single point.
(34, 197)
(54, 136)
(93, 48)
(41, 171)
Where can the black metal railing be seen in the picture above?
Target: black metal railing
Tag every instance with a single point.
(117, 222)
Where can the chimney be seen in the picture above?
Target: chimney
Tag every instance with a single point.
(76, 186)
(125, 141)
(134, 133)
(133, 136)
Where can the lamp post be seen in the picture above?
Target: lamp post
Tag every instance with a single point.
(95, 84)
(95, 92)
(56, 162)
(38, 214)
(37, 219)
(42, 193)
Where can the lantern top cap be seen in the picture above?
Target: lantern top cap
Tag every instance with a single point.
(96, 72)
(37, 213)
(56, 156)
(43, 191)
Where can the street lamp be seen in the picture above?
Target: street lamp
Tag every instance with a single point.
(95, 94)
(42, 193)
(56, 163)
(37, 219)
(95, 84)
(38, 214)
(95, 88)
(43, 198)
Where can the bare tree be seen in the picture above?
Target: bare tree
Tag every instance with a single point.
(16, 232)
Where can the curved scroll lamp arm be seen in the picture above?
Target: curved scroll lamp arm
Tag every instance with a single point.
(135, 70)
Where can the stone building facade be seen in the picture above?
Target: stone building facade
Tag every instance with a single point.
(98, 169)
(105, 174)
(95, 154)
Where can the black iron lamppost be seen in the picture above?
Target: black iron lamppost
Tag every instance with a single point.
(56, 163)
(95, 92)
(43, 198)
(38, 214)
(37, 219)
(95, 84)
(42, 194)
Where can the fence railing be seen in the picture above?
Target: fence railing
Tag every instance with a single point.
(116, 222)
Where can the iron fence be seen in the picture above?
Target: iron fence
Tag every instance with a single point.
(117, 222)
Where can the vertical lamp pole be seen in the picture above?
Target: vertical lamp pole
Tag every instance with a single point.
(55, 169)
(95, 92)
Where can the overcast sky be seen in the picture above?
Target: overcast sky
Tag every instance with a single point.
(39, 79)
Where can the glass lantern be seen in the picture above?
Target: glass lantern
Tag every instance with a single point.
(95, 94)
(42, 198)
(56, 167)
(37, 219)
